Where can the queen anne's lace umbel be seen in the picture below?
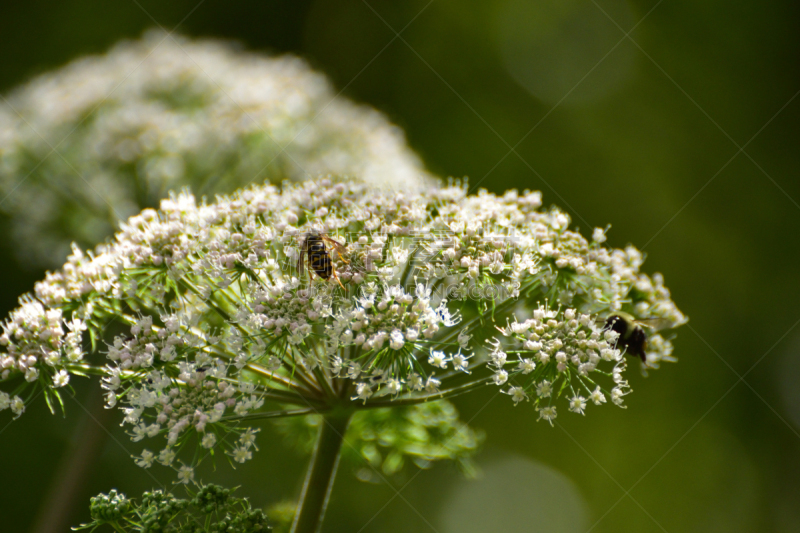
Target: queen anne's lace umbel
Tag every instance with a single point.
(443, 293)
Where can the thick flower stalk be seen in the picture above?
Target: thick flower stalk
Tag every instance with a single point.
(441, 293)
(106, 136)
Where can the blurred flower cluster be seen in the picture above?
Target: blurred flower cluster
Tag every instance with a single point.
(106, 136)
(442, 293)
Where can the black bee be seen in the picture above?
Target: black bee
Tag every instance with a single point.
(319, 261)
(632, 337)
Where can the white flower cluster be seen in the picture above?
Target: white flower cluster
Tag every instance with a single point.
(38, 343)
(557, 351)
(171, 384)
(223, 328)
(106, 136)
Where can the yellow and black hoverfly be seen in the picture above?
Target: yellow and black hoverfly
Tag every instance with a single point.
(632, 337)
(319, 261)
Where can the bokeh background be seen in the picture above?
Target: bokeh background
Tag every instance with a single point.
(674, 121)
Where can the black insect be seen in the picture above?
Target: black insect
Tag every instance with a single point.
(631, 335)
(319, 260)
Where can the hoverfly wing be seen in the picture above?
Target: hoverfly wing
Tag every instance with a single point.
(331, 240)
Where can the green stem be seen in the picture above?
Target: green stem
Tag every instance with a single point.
(274, 414)
(274, 376)
(321, 473)
(414, 400)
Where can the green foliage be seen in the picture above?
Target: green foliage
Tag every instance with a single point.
(211, 510)
(388, 438)
(281, 516)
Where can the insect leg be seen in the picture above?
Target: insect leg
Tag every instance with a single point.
(301, 263)
(333, 273)
(337, 247)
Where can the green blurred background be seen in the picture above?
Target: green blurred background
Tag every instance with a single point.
(643, 132)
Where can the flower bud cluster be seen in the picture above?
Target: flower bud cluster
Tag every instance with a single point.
(211, 508)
